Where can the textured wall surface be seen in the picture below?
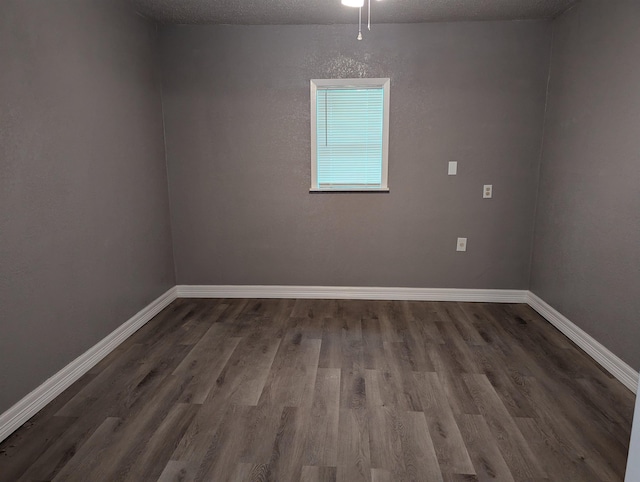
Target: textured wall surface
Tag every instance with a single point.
(84, 225)
(586, 260)
(278, 12)
(236, 103)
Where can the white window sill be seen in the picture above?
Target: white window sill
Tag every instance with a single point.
(364, 189)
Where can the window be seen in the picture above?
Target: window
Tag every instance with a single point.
(349, 134)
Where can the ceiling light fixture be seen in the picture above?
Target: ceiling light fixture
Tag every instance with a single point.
(359, 4)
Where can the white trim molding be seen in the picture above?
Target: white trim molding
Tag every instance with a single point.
(351, 293)
(22, 411)
(325, 85)
(605, 357)
(26, 408)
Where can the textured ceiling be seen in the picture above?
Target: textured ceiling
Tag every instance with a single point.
(331, 11)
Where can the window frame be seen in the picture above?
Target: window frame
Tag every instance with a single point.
(319, 84)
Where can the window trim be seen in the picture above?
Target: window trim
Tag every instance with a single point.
(383, 83)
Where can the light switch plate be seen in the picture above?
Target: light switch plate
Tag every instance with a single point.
(453, 168)
(462, 244)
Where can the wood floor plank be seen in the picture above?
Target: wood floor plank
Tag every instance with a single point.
(449, 444)
(318, 474)
(352, 345)
(174, 471)
(194, 444)
(285, 462)
(321, 444)
(89, 453)
(374, 355)
(193, 329)
(422, 319)
(417, 348)
(240, 385)
(130, 391)
(126, 443)
(397, 383)
(457, 348)
(354, 457)
(391, 321)
(344, 390)
(236, 307)
(167, 323)
(131, 372)
(488, 461)
(331, 347)
(400, 356)
(603, 432)
(246, 472)
(509, 388)
(525, 315)
(522, 462)
(161, 445)
(356, 309)
(582, 439)
(19, 451)
(464, 324)
(485, 325)
(296, 351)
(449, 372)
(309, 327)
(257, 325)
(599, 409)
(304, 308)
(420, 460)
(385, 388)
(606, 396)
(385, 439)
(254, 350)
(383, 475)
(29, 444)
(558, 463)
(61, 450)
(289, 387)
(219, 463)
(520, 344)
(258, 473)
(353, 391)
(460, 478)
(205, 362)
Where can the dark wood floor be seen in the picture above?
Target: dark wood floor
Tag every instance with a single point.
(317, 390)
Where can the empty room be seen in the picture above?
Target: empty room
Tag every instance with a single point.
(319, 240)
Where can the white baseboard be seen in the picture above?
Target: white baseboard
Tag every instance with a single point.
(607, 359)
(352, 293)
(54, 386)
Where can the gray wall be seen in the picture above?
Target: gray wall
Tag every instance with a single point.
(84, 226)
(236, 103)
(586, 256)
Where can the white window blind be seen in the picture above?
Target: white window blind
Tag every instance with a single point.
(349, 134)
